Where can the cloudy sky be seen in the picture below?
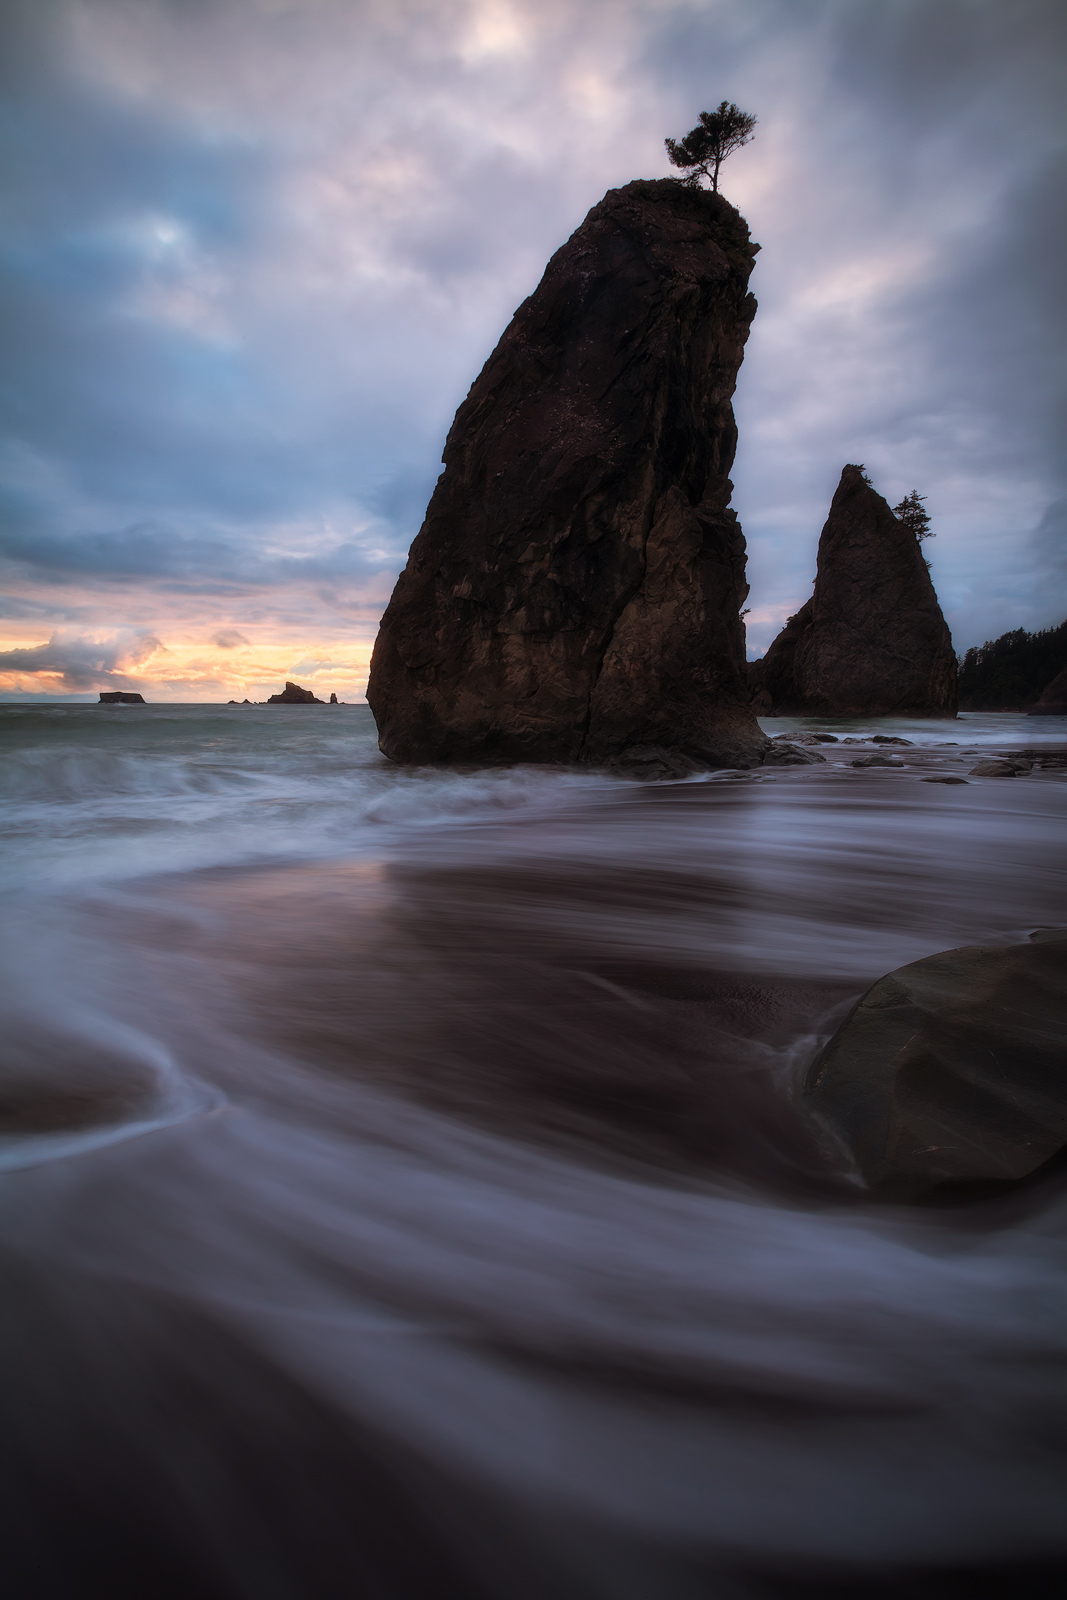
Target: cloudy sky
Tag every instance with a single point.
(255, 252)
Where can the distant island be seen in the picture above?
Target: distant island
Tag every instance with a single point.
(294, 695)
(119, 697)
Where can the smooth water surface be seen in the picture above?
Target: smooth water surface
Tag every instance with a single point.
(407, 1192)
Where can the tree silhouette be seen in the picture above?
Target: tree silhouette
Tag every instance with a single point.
(705, 147)
(910, 512)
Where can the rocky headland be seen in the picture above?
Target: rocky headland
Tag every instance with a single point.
(576, 588)
(871, 641)
(1053, 701)
(1016, 672)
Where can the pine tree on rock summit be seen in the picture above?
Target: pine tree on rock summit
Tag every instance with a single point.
(705, 147)
(911, 513)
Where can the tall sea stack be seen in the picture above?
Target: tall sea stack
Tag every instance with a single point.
(575, 590)
(871, 641)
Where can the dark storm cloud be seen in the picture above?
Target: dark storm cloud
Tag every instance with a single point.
(1050, 540)
(256, 253)
(154, 551)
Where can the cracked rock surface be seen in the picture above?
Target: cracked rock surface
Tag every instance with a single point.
(871, 641)
(575, 591)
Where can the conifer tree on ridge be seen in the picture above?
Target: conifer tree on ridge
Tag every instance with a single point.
(705, 147)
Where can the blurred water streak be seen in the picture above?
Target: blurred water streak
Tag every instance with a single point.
(407, 1190)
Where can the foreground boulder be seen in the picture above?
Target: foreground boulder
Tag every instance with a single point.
(575, 591)
(871, 641)
(293, 695)
(950, 1075)
(1004, 767)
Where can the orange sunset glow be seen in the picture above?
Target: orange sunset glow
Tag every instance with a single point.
(168, 652)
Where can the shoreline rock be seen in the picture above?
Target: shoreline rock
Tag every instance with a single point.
(949, 1077)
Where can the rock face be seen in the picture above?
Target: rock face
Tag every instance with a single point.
(575, 590)
(115, 697)
(1053, 701)
(871, 641)
(952, 1072)
(293, 695)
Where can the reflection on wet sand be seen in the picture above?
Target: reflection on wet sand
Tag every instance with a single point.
(492, 1252)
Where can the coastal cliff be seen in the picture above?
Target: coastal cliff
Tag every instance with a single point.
(575, 591)
(871, 641)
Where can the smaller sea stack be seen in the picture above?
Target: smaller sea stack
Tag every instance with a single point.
(871, 641)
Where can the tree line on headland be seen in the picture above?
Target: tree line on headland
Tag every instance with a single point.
(1012, 671)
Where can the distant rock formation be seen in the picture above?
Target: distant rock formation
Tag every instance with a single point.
(575, 591)
(871, 641)
(333, 699)
(117, 697)
(293, 695)
(1053, 701)
(952, 1072)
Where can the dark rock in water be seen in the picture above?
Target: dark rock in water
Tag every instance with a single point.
(1053, 701)
(1008, 767)
(888, 738)
(575, 591)
(871, 641)
(333, 699)
(791, 755)
(115, 697)
(293, 695)
(653, 762)
(951, 1073)
(804, 738)
(943, 780)
(877, 760)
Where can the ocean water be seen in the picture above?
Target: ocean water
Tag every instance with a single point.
(405, 1190)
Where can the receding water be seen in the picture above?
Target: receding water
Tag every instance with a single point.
(406, 1191)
